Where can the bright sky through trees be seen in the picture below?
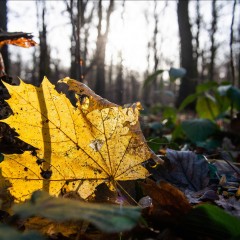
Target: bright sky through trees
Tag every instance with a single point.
(129, 34)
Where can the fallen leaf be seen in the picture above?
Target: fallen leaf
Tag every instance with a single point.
(79, 147)
(166, 197)
(187, 170)
(108, 218)
(20, 42)
(198, 130)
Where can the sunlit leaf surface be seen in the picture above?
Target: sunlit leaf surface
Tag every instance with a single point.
(78, 148)
(20, 42)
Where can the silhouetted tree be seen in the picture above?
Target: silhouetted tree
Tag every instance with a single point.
(44, 56)
(231, 44)
(119, 87)
(198, 25)
(3, 26)
(155, 47)
(101, 47)
(213, 48)
(188, 82)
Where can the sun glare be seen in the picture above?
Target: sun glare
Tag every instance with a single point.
(128, 38)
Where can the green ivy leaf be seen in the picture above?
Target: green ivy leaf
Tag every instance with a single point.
(207, 107)
(232, 93)
(211, 221)
(108, 218)
(198, 130)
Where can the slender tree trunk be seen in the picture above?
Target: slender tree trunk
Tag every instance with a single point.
(101, 48)
(134, 88)
(231, 45)
(119, 81)
(231, 52)
(198, 23)
(188, 82)
(44, 59)
(110, 96)
(147, 89)
(79, 37)
(3, 26)
(155, 50)
(213, 48)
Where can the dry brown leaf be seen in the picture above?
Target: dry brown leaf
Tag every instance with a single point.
(166, 198)
(20, 42)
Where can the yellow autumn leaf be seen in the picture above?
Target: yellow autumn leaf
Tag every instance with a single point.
(80, 147)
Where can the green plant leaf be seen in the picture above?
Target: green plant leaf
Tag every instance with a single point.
(209, 144)
(207, 107)
(152, 77)
(189, 99)
(178, 133)
(9, 233)
(198, 130)
(223, 103)
(170, 112)
(161, 142)
(156, 143)
(108, 218)
(232, 93)
(206, 86)
(211, 221)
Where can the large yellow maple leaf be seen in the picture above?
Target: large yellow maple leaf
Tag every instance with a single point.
(83, 146)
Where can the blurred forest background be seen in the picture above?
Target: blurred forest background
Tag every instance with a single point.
(114, 46)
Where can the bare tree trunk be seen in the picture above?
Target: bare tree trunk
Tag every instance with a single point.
(213, 48)
(119, 81)
(155, 50)
(147, 89)
(231, 52)
(110, 81)
(101, 48)
(231, 44)
(188, 82)
(3, 26)
(134, 88)
(238, 59)
(79, 38)
(198, 23)
(44, 59)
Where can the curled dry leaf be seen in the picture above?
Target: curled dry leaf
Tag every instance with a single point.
(79, 147)
(20, 42)
(166, 197)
